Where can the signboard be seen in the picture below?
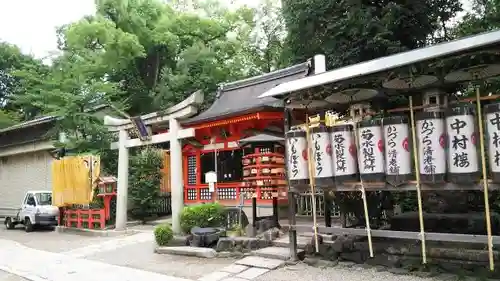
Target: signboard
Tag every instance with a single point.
(142, 129)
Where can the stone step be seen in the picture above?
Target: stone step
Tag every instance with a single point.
(187, 251)
(260, 262)
(284, 242)
(277, 253)
(302, 241)
(310, 235)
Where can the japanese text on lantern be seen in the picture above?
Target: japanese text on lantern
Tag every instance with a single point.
(318, 155)
(368, 152)
(495, 138)
(340, 156)
(294, 157)
(428, 150)
(459, 143)
(392, 134)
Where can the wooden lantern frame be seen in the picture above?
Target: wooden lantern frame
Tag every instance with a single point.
(375, 67)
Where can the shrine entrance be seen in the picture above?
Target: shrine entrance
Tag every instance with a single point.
(175, 134)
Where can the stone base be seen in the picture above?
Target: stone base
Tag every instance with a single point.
(470, 223)
(277, 253)
(187, 251)
(403, 256)
(241, 244)
(94, 232)
(179, 241)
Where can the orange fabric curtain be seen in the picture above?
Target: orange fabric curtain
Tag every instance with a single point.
(165, 185)
(72, 181)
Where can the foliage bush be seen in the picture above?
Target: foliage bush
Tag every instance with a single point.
(163, 234)
(203, 215)
(144, 181)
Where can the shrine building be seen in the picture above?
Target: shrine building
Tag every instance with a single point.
(241, 138)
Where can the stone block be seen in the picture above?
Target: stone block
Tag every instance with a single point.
(179, 241)
(225, 244)
(187, 251)
(356, 257)
(277, 253)
(95, 232)
(327, 252)
(261, 262)
(234, 268)
(214, 276)
(205, 236)
(252, 273)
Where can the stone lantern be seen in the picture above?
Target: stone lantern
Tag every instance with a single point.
(434, 100)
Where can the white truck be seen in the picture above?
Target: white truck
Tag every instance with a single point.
(36, 210)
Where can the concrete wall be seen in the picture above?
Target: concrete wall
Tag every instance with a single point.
(22, 172)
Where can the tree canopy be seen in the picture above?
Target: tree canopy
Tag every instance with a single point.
(351, 31)
(144, 55)
(140, 56)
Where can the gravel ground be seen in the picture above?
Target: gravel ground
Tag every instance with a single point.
(141, 256)
(343, 273)
(5, 276)
(51, 241)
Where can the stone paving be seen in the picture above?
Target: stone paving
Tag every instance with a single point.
(49, 240)
(347, 273)
(5, 276)
(245, 269)
(142, 256)
(51, 256)
(40, 265)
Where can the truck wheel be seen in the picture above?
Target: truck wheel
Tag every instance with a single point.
(9, 224)
(28, 226)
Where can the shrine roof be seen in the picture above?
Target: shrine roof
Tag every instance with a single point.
(39, 129)
(241, 97)
(262, 138)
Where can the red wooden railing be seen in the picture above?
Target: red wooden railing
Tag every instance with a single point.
(78, 218)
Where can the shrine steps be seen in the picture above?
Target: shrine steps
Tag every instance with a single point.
(303, 239)
(276, 253)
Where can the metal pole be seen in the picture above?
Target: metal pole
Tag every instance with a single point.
(417, 177)
(485, 179)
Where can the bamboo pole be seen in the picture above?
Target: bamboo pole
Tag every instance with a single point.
(312, 182)
(417, 177)
(485, 179)
(363, 195)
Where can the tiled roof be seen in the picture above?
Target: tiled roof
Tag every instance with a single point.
(241, 97)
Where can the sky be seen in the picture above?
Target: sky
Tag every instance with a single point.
(31, 24)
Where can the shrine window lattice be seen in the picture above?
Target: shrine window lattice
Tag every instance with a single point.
(191, 165)
(191, 176)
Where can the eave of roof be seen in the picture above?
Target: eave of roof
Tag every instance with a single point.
(386, 63)
(30, 123)
(241, 97)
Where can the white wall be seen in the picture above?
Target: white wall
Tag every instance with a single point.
(20, 173)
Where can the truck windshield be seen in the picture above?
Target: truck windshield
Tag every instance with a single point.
(44, 198)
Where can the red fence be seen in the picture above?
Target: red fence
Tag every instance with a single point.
(82, 218)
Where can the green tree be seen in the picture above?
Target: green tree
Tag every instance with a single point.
(144, 55)
(265, 49)
(145, 178)
(77, 83)
(12, 60)
(484, 16)
(352, 31)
